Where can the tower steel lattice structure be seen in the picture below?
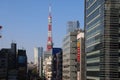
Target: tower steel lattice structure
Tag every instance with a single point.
(49, 40)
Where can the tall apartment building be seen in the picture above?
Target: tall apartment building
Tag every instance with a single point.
(81, 75)
(102, 39)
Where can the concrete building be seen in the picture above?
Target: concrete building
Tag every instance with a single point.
(47, 64)
(69, 56)
(72, 26)
(9, 64)
(102, 39)
(48, 68)
(81, 75)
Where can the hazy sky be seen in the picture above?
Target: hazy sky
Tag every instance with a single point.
(26, 22)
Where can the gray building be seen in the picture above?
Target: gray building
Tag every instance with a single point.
(102, 39)
(38, 59)
(72, 26)
(69, 56)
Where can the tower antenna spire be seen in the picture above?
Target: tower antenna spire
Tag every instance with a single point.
(50, 9)
(49, 41)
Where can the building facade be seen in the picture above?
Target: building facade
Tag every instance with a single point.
(69, 56)
(81, 75)
(72, 26)
(11, 64)
(4, 64)
(38, 59)
(102, 45)
(57, 64)
(36, 55)
(22, 65)
(47, 64)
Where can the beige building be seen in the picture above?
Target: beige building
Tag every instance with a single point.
(47, 63)
(47, 68)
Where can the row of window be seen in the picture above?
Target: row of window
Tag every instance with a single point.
(93, 48)
(97, 3)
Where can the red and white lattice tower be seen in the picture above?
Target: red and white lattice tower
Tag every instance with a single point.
(0, 31)
(49, 41)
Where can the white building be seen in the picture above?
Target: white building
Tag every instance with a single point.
(38, 52)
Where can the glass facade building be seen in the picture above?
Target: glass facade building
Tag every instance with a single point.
(102, 39)
(72, 26)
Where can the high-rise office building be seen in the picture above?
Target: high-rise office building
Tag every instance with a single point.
(38, 52)
(22, 65)
(13, 63)
(72, 26)
(102, 39)
(57, 64)
(38, 55)
(40, 60)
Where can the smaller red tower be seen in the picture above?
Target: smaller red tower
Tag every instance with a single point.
(49, 41)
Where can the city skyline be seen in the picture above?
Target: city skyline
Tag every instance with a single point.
(26, 22)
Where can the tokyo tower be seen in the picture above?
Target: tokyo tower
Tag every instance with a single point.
(49, 40)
